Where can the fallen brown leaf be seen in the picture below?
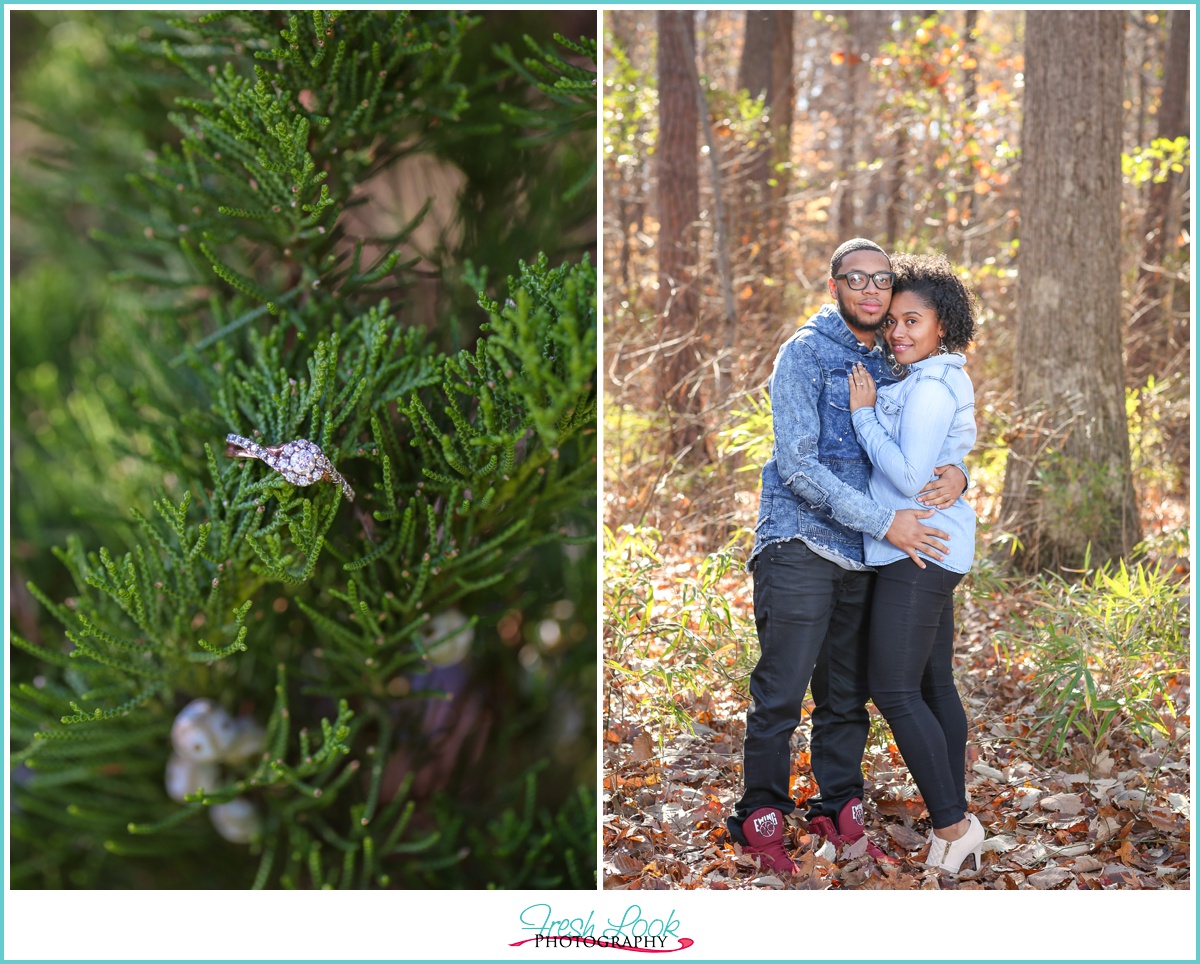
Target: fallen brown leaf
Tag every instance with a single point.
(1069, 803)
(1050, 878)
(904, 838)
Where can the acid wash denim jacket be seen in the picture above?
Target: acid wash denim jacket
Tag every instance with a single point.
(922, 422)
(815, 482)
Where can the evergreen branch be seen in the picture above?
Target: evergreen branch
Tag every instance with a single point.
(263, 874)
(99, 715)
(50, 656)
(224, 332)
(333, 630)
(84, 649)
(368, 871)
(389, 486)
(378, 753)
(416, 846)
(157, 847)
(467, 587)
(392, 841)
(278, 727)
(218, 796)
(239, 281)
(91, 630)
(213, 653)
(345, 406)
(585, 47)
(348, 869)
(86, 743)
(383, 549)
(176, 818)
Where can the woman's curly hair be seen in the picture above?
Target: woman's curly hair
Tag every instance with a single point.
(932, 279)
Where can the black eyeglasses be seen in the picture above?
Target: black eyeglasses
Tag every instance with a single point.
(857, 280)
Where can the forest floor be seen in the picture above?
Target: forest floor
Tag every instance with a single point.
(1105, 814)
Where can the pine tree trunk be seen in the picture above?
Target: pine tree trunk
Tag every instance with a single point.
(971, 52)
(854, 76)
(754, 77)
(719, 331)
(897, 168)
(783, 99)
(623, 192)
(1151, 330)
(1068, 486)
(765, 70)
(854, 214)
(679, 212)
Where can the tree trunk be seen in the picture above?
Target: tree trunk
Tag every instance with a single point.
(1068, 488)
(865, 29)
(757, 225)
(971, 53)
(719, 357)
(1152, 328)
(678, 214)
(848, 126)
(754, 77)
(783, 103)
(897, 169)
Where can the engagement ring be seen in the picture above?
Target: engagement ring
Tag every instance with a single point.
(300, 462)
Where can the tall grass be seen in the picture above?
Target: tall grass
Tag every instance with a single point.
(671, 634)
(1107, 652)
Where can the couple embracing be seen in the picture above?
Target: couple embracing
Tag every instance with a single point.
(862, 536)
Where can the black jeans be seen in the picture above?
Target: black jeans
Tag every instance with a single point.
(912, 682)
(812, 620)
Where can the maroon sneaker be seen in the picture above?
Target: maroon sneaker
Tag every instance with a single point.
(763, 831)
(852, 828)
(823, 826)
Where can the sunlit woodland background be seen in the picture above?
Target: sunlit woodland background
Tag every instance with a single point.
(1047, 154)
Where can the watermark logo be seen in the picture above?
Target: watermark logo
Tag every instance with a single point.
(767, 824)
(631, 932)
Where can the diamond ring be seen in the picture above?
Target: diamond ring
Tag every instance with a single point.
(300, 462)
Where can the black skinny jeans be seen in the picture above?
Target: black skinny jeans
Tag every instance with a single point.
(811, 617)
(912, 682)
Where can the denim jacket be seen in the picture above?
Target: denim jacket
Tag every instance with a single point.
(924, 421)
(815, 482)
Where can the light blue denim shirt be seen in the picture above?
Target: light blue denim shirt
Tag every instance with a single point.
(919, 423)
(815, 482)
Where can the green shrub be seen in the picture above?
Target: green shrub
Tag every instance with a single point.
(671, 633)
(416, 659)
(1106, 652)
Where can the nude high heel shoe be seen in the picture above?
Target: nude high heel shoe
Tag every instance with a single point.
(948, 855)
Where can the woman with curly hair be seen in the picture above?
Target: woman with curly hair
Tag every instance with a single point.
(924, 420)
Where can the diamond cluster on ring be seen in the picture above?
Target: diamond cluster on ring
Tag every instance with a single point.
(300, 462)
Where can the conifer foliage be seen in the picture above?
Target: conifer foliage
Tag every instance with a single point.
(382, 689)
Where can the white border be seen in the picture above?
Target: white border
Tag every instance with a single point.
(739, 925)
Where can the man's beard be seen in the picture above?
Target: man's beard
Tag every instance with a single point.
(862, 324)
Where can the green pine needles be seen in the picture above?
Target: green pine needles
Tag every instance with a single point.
(260, 684)
(570, 87)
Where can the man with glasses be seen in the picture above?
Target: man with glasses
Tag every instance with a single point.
(812, 589)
